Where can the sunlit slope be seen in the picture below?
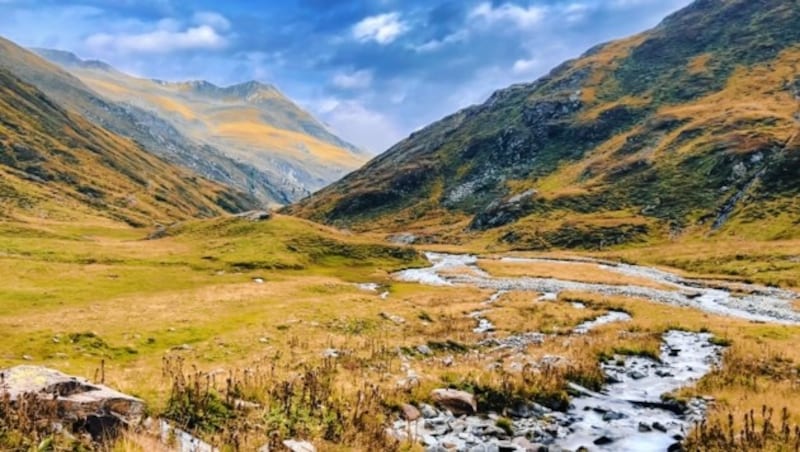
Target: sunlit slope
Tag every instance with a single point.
(251, 122)
(154, 134)
(688, 129)
(57, 166)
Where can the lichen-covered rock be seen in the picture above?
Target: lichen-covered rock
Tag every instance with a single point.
(95, 408)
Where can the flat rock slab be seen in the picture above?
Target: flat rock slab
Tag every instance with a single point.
(77, 400)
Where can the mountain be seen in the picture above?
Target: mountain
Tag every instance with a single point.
(153, 133)
(688, 129)
(250, 122)
(56, 165)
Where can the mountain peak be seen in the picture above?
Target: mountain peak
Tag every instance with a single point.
(69, 59)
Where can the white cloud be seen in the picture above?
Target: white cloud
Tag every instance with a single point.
(214, 20)
(576, 12)
(353, 80)
(163, 40)
(366, 128)
(508, 12)
(436, 44)
(383, 29)
(524, 66)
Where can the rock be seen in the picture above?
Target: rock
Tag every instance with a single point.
(255, 215)
(430, 441)
(331, 353)
(245, 405)
(424, 350)
(506, 447)
(447, 361)
(636, 375)
(396, 319)
(644, 428)
(299, 446)
(96, 409)
(428, 412)
(27, 357)
(458, 402)
(613, 416)
(660, 427)
(603, 441)
(410, 412)
(522, 443)
(258, 280)
(675, 447)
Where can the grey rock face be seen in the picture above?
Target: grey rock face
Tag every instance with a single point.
(98, 409)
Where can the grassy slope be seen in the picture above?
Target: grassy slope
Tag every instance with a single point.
(143, 297)
(646, 138)
(153, 133)
(55, 163)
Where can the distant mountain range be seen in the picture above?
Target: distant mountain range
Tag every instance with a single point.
(689, 128)
(247, 136)
(56, 165)
(252, 123)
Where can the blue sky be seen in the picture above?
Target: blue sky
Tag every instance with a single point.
(373, 70)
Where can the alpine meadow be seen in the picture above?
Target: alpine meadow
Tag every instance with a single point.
(201, 249)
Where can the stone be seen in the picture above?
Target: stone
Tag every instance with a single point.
(523, 443)
(255, 215)
(644, 428)
(424, 350)
(660, 427)
(458, 402)
(603, 441)
(96, 409)
(428, 412)
(675, 447)
(245, 405)
(613, 416)
(636, 375)
(410, 412)
(299, 446)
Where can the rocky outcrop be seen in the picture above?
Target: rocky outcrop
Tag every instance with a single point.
(255, 215)
(78, 403)
(458, 402)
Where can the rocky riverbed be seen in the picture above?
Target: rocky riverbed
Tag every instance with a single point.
(746, 301)
(631, 413)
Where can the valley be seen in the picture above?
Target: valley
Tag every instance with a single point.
(606, 258)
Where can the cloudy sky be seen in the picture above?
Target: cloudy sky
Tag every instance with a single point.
(373, 70)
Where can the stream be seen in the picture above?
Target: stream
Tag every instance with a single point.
(745, 301)
(629, 414)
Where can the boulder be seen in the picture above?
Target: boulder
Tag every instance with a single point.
(458, 402)
(94, 408)
(255, 215)
(299, 446)
(410, 412)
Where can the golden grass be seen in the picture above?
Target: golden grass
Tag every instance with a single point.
(297, 145)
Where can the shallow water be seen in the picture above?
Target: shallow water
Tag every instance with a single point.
(756, 303)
